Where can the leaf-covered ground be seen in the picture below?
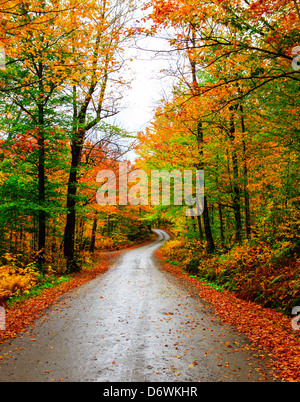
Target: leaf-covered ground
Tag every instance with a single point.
(265, 328)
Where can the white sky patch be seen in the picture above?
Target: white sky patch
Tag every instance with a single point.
(149, 86)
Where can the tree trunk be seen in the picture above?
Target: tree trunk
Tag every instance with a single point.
(236, 189)
(200, 227)
(69, 235)
(93, 238)
(41, 173)
(42, 213)
(206, 220)
(221, 226)
(80, 128)
(245, 173)
(199, 135)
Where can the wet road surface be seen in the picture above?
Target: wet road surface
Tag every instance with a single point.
(135, 323)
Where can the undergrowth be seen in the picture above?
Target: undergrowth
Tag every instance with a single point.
(266, 274)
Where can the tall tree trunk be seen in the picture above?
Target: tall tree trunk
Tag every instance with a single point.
(41, 173)
(80, 128)
(221, 226)
(199, 135)
(206, 220)
(207, 227)
(42, 213)
(236, 189)
(69, 235)
(245, 173)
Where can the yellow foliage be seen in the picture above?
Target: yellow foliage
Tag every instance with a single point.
(104, 243)
(15, 280)
(174, 249)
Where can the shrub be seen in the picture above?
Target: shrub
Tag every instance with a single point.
(261, 273)
(105, 243)
(174, 249)
(189, 254)
(258, 272)
(192, 266)
(16, 280)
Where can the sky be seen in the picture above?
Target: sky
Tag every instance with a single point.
(149, 86)
(150, 82)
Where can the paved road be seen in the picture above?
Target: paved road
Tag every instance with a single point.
(135, 323)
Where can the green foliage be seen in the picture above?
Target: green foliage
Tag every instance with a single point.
(44, 282)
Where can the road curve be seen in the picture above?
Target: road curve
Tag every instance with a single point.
(135, 323)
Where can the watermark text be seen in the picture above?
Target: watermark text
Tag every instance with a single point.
(158, 188)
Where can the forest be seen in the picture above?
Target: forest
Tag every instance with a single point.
(233, 113)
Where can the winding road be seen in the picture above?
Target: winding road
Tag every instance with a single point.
(135, 323)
